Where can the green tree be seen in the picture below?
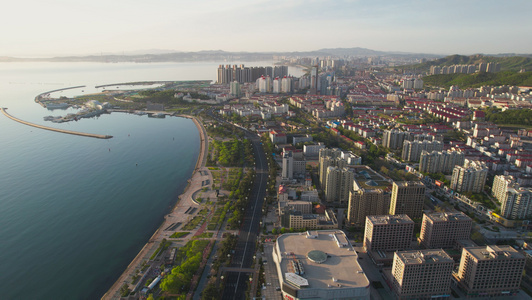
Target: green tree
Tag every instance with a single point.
(124, 290)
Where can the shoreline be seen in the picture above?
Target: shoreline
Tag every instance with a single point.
(184, 201)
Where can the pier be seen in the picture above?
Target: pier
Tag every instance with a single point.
(98, 136)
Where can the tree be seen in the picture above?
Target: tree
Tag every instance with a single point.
(124, 290)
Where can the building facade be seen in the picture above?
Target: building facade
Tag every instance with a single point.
(442, 230)
(490, 271)
(516, 201)
(412, 149)
(440, 161)
(366, 202)
(388, 233)
(408, 198)
(422, 274)
(469, 178)
(339, 183)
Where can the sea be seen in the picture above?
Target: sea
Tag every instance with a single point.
(75, 211)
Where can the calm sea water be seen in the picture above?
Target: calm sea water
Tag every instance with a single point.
(74, 211)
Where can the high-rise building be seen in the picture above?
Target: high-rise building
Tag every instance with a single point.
(516, 201)
(286, 85)
(235, 89)
(280, 71)
(418, 83)
(422, 274)
(276, 85)
(388, 233)
(225, 74)
(407, 198)
(367, 202)
(442, 230)
(440, 161)
(265, 84)
(490, 271)
(469, 178)
(338, 184)
(412, 149)
(408, 83)
(337, 158)
(314, 80)
(287, 171)
(393, 139)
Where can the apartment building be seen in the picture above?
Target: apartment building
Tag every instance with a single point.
(407, 198)
(440, 161)
(516, 201)
(412, 149)
(442, 230)
(367, 202)
(339, 183)
(490, 271)
(469, 178)
(388, 233)
(422, 274)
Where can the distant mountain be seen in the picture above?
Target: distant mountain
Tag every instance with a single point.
(157, 55)
(479, 79)
(507, 62)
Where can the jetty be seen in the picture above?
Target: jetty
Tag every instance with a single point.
(98, 136)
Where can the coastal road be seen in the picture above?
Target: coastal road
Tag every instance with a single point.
(236, 283)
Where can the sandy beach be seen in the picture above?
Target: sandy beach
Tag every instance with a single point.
(178, 215)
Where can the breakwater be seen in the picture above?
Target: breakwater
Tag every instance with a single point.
(98, 136)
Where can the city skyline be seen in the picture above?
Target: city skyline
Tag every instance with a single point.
(58, 27)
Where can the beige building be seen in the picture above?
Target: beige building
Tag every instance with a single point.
(516, 201)
(298, 221)
(412, 149)
(388, 233)
(469, 178)
(422, 274)
(442, 230)
(319, 265)
(367, 202)
(440, 161)
(338, 184)
(408, 198)
(490, 271)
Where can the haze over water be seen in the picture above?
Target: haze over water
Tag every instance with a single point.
(74, 211)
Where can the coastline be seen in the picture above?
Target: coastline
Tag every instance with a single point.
(184, 201)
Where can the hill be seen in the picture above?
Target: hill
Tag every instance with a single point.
(507, 63)
(479, 79)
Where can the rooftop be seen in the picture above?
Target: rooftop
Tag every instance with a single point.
(327, 258)
(390, 219)
(448, 216)
(494, 252)
(416, 257)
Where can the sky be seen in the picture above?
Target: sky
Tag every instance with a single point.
(37, 28)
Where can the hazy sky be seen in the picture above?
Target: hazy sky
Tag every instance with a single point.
(73, 27)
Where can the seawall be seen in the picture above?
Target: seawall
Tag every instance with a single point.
(92, 135)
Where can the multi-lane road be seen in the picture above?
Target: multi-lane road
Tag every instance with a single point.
(236, 283)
